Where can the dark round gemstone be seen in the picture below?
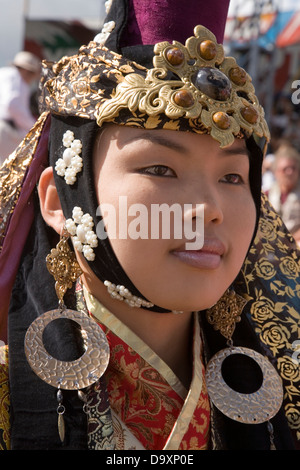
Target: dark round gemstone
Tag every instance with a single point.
(213, 83)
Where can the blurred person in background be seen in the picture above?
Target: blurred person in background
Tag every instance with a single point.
(284, 194)
(15, 90)
(268, 177)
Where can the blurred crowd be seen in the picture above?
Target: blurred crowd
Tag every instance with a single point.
(281, 169)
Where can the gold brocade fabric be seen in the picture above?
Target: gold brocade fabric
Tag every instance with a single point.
(12, 173)
(270, 281)
(4, 400)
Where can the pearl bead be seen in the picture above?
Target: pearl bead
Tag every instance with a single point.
(120, 292)
(71, 160)
(80, 232)
(68, 155)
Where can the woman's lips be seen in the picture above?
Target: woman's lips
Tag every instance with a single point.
(209, 257)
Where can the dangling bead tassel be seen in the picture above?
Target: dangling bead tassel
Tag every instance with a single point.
(82, 396)
(271, 432)
(60, 411)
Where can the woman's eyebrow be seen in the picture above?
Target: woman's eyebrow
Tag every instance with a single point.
(235, 151)
(160, 140)
(178, 147)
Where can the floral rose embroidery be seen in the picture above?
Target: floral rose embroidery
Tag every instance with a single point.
(289, 370)
(275, 335)
(262, 310)
(293, 416)
(266, 229)
(289, 267)
(265, 269)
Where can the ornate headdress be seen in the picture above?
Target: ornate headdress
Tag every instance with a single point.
(191, 87)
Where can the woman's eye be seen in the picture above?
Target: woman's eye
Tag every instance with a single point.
(232, 178)
(158, 170)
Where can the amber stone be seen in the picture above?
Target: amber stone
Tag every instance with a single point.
(184, 98)
(250, 114)
(207, 50)
(222, 120)
(175, 56)
(213, 83)
(238, 75)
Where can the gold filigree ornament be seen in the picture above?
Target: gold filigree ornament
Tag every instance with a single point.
(196, 82)
(88, 368)
(63, 266)
(250, 408)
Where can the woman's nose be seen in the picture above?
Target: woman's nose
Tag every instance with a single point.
(213, 212)
(207, 204)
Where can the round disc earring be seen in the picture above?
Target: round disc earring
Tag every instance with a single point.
(68, 375)
(250, 408)
(91, 365)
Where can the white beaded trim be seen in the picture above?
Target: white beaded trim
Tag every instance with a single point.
(107, 5)
(105, 32)
(71, 163)
(80, 228)
(122, 293)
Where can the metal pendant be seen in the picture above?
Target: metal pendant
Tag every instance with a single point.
(68, 375)
(250, 408)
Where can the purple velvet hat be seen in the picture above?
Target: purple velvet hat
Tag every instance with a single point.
(144, 22)
(168, 20)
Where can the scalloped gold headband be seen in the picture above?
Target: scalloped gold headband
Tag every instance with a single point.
(211, 87)
(191, 88)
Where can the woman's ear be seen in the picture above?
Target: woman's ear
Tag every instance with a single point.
(49, 201)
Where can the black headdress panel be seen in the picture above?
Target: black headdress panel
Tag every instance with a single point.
(82, 194)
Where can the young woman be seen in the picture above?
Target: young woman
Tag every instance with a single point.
(175, 348)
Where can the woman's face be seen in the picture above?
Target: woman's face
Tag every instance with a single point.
(148, 168)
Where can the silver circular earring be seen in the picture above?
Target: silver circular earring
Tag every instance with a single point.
(67, 375)
(250, 408)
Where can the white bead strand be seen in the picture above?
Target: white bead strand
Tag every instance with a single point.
(122, 293)
(80, 228)
(71, 163)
